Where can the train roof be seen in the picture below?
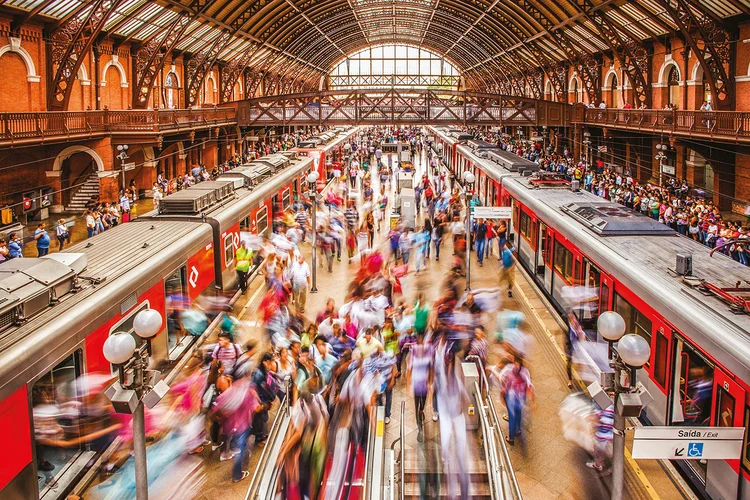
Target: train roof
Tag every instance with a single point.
(645, 263)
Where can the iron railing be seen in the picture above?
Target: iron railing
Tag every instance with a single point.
(48, 125)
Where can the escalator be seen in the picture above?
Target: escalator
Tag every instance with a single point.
(361, 464)
(421, 469)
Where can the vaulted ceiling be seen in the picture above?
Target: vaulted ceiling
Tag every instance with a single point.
(489, 40)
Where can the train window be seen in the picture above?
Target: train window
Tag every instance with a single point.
(660, 358)
(229, 248)
(604, 300)
(286, 198)
(245, 224)
(59, 443)
(176, 292)
(524, 227)
(724, 408)
(635, 321)
(564, 262)
(261, 220)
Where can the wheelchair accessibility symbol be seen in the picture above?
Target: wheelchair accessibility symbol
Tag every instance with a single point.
(695, 450)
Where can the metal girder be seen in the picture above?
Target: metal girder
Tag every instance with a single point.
(714, 53)
(634, 58)
(232, 71)
(18, 23)
(200, 64)
(69, 45)
(149, 59)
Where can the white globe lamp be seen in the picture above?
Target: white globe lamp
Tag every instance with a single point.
(634, 350)
(119, 348)
(147, 323)
(312, 177)
(336, 173)
(468, 177)
(611, 326)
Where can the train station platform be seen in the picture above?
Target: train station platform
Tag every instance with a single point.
(548, 466)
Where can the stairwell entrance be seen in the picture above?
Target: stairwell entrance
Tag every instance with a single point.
(79, 179)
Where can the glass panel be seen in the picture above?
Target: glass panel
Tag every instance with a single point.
(660, 358)
(424, 67)
(413, 67)
(635, 321)
(400, 67)
(261, 220)
(412, 52)
(377, 67)
(377, 52)
(435, 65)
(401, 51)
(388, 51)
(177, 302)
(229, 249)
(388, 67)
(724, 408)
(62, 419)
(746, 453)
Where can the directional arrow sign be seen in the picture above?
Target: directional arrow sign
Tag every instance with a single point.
(688, 443)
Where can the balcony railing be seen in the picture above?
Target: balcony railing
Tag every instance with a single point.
(734, 125)
(31, 127)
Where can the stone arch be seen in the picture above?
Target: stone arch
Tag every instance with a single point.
(71, 150)
(15, 47)
(608, 78)
(664, 71)
(117, 64)
(576, 83)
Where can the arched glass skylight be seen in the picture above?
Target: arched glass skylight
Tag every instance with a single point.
(397, 66)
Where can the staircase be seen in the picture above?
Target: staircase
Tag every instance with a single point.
(83, 194)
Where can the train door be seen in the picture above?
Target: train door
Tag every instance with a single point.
(722, 476)
(541, 250)
(548, 246)
(692, 395)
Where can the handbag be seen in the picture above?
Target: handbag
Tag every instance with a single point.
(208, 397)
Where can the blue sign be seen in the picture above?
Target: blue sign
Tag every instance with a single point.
(695, 450)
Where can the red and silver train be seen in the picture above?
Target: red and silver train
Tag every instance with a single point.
(56, 312)
(699, 332)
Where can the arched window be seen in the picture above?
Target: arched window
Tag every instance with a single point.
(613, 92)
(576, 91)
(171, 89)
(399, 66)
(673, 81)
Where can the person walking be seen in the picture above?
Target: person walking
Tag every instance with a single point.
(300, 282)
(419, 377)
(480, 235)
(515, 388)
(42, 240)
(244, 257)
(507, 274)
(62, 234)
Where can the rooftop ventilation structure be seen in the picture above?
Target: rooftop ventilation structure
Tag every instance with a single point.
(608, 219)
(196, 199)
(28, 286)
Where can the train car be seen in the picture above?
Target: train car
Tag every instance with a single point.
(699, 371)
(629, 261)
(326, 150)
(60, 309)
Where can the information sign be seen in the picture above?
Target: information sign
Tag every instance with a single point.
(492, 212)
(688, 443)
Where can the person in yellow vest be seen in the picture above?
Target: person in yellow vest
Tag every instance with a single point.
(243, 257)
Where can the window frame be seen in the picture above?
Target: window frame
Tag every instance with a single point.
(228, 249)
(258, 218)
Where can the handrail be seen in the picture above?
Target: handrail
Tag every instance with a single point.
(509, 472)
(489, 454)
(402, 459)
(284, 411)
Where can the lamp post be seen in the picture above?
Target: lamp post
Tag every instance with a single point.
(136, 385)
(123, 149)
(468, 181)
(586, 144)
(660, 156)
(632, 352)
(312, 183)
